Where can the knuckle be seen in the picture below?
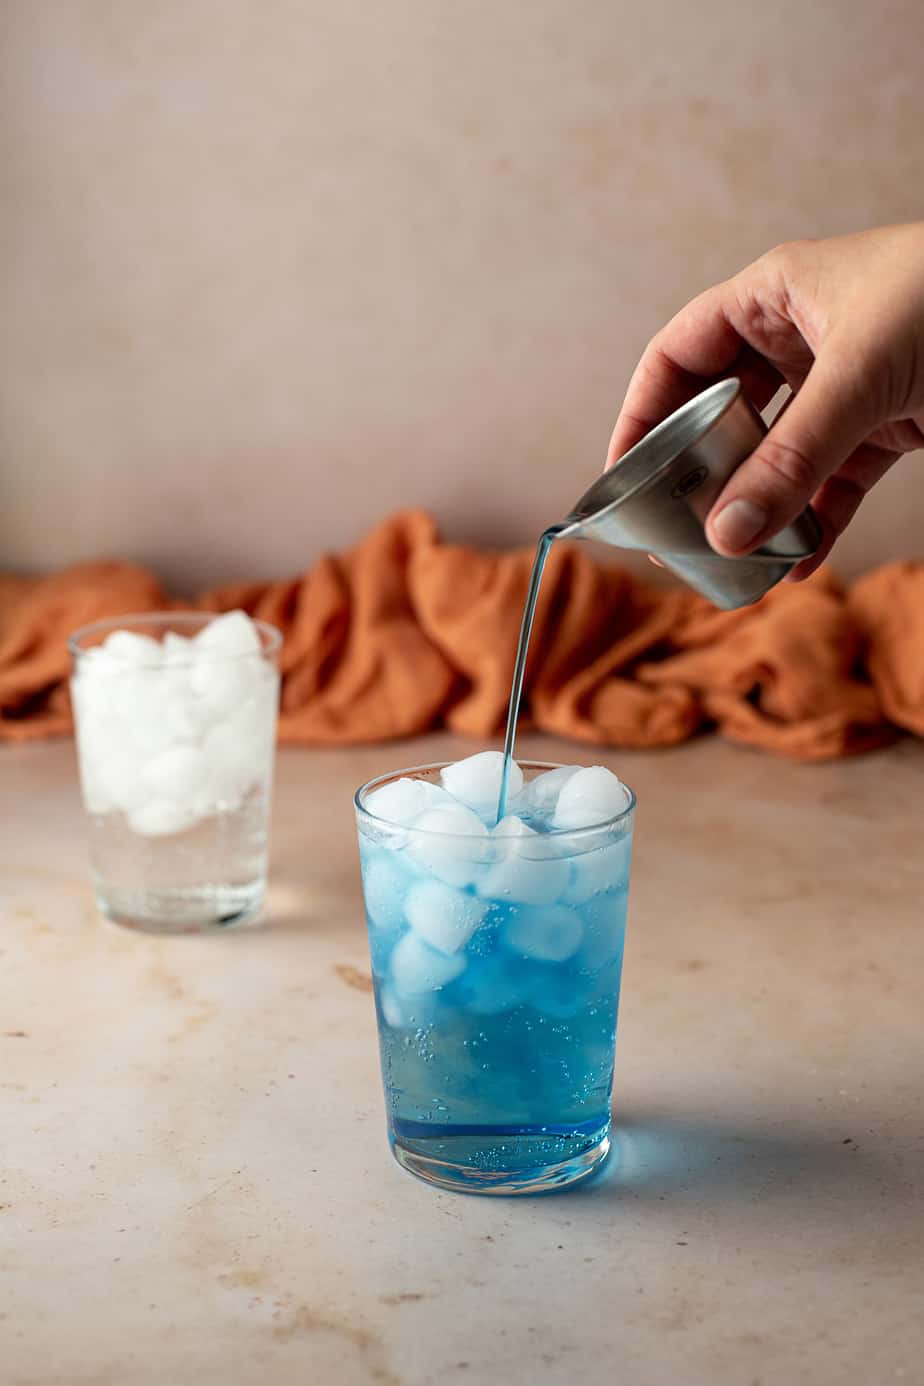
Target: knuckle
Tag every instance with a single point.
(777, 254)
(790, 466)
(787, 253)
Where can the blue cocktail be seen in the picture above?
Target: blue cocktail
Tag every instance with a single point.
(496, 956)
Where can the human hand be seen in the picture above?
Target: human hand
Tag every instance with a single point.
(840, 321)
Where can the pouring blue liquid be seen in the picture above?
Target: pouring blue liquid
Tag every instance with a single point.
(519, 668)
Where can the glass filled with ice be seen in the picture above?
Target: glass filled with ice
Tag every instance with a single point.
(175, 718)
(496, 953)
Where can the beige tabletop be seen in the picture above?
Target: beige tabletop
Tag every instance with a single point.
(195, 1185)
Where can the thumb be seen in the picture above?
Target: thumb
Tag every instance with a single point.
(825, 422)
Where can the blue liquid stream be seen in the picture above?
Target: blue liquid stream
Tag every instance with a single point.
(519, 667)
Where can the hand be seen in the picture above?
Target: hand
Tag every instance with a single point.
(842, 323)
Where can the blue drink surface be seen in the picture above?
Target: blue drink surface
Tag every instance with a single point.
(496, 981)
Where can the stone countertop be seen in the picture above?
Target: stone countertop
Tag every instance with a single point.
(195, 1185)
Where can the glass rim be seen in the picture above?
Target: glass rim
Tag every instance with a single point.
(590, 830)
(270, 636)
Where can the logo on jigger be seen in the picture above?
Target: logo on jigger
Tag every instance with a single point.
(687, 484)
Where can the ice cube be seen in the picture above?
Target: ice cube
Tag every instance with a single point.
(605, 868)
(416, 968)
(495, 985)
(108, 690)
(591, 796)
(476, 781)
(96, 796)
(136, 699)
(526, 879)
(185, 717)
(550, 933)
(604, 932)
(508, 831)
(223, 684)
(126, 714)
(231, 634)
(116, 768)
(161, 818)
(391, 1008)
(239, 749)
(385, 882)
(380, 945)
(408, 1012)
(402, 801)
(178, 774)
(542, 792)
(178, 649)
(448, 842)
(96, 665)
(558, 992)
(443, 917)
(129, 648)
(92, 730)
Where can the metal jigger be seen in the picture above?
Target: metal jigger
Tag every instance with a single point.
(656, 498)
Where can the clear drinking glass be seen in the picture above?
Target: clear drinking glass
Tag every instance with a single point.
(175, 718)
(496, 964)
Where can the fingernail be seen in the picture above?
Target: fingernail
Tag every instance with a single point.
(739, 523)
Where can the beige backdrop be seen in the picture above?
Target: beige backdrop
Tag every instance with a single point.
(272, 269)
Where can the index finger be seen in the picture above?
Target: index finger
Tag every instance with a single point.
(695, 347)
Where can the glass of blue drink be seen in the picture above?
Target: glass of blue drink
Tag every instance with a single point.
(496, 953)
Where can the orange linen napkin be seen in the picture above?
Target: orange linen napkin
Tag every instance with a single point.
(36, 617)
(888, 607)
(404, 633)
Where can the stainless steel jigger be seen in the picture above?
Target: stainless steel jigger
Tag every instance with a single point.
(656, 498)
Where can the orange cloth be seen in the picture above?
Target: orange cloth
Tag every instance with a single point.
(36, 617)
(404, 633)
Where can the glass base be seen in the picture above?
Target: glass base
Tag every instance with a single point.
(182, 911)
(525, 1173)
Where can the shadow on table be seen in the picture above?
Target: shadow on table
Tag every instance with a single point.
(325, 901)
(660, 1157)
